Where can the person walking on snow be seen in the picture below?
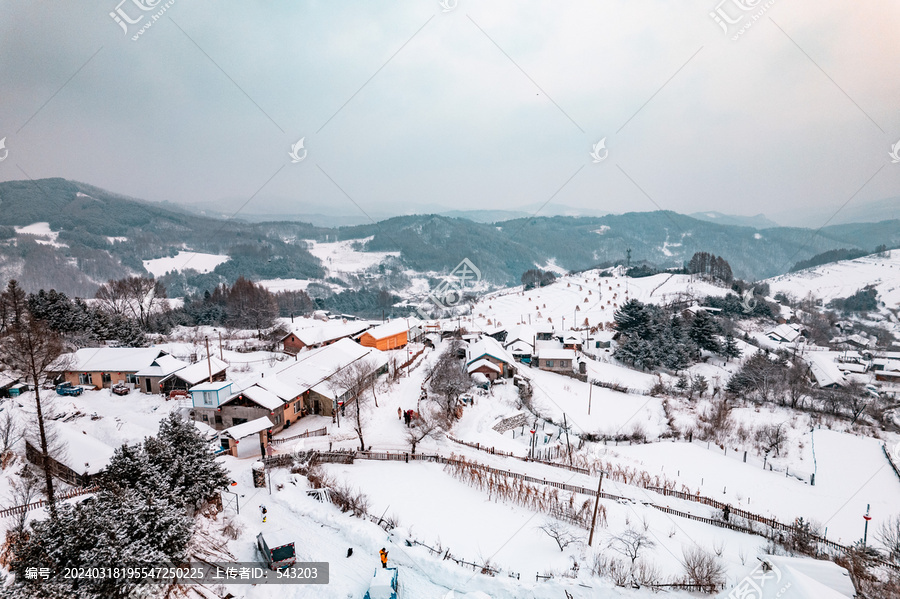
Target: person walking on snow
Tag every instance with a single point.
(263, 511)
(399, 414)
(383, 553)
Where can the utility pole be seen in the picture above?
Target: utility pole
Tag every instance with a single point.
(596, 507)
(867, 517)
(221, 355)
(208, 361)
(569, 445)
(590, 390)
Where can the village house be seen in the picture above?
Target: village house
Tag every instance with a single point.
(490, 350)
(148, 378)
(314, 334)
(103, 367)
(314, 373)
(485, 367)
(556, 359)
(785, 333)
(194, 374)
(825, 372)
(81, 459)
(391, 335)
(519, 342)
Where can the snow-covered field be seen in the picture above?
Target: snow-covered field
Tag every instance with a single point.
(586, 297)
(339, 257)
(184, 260)
(843, 279)
(42, 234)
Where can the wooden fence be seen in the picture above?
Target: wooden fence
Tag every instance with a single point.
(321, 432)
(20, 509)
(891, 461)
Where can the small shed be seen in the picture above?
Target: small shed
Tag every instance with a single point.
(210, 395)
(248, 439)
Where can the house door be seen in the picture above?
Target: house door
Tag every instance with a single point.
(147, 385)
(317, 408)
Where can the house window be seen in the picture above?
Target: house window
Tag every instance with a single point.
(563, 363)
(277, 419)
(549, 363)
(297, 407)
(205, 418)
(105, 377)
(85, 379)
(131, 379)
(237, 421)
(209, 398)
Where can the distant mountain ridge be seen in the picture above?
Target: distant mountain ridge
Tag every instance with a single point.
(760, 221)
(103, 235)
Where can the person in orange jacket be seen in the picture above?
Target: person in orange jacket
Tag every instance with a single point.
(383, 553)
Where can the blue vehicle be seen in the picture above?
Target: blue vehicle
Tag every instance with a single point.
(68, 389)
(385, 584)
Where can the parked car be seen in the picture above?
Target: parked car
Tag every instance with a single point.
(178, 394)
(385, 584)
(277, 551)
(68, 389)
(121, 389)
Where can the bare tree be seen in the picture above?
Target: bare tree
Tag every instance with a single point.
(350, 384)
(560, 534)
(771, 437)
(135, 297)
(448, 379)
(427, 425)
(630, 544)
(889, 535)
(23, 489)
(31, 347)
(702, 568)
(10, 434)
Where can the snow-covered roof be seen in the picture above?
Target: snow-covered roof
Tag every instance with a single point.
(213, 386)
(520, 347)
(198, 372)
(162, 366)
(323, 332)
(205, 430)
(852, 367)
(482, 363)
(808, 578)
(553, 353)
(825, 371)
(520, 332)
(787, 332)
(887, 363)
(81, 452)
(260, 396)
(239, 431)
(311, 370)
(111, 359)
(389, 329)
(487, 346)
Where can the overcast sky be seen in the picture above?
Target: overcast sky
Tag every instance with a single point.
(484, 105)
